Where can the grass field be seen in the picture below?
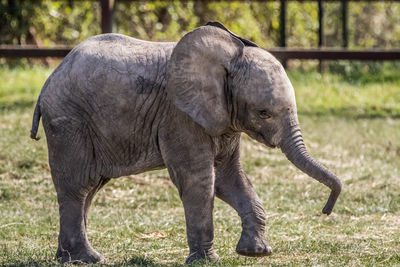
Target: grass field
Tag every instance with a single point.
(351, 126)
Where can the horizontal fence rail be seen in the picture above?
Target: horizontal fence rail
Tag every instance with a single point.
(10, 51)
(334, 54)
(280, 53)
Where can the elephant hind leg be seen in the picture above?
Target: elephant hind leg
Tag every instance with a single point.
(73, 243)
(76, 179)
(90, 196)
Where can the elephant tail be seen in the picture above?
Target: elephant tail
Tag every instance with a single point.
(38, 113)
(35, 121)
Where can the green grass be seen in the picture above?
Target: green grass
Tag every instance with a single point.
(20, 87)
(139, 220)
(355, 97)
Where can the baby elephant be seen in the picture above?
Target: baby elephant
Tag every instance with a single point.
(119, 106)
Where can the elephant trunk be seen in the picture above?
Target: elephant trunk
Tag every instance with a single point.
(295, 150)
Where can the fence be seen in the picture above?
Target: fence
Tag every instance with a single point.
(283, 53)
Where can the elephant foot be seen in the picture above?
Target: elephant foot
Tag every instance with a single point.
(255, 246)
(208, 256)
(82, 256)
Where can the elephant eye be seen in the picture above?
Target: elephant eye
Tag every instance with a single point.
(264, 114)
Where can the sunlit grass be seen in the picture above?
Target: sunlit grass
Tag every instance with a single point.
(139, 220)
(359, 97)
(19, 87)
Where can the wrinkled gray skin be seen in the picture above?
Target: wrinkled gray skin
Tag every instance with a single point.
(119, 106)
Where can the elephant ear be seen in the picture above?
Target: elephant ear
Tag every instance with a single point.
(221, 26)
(196, 78)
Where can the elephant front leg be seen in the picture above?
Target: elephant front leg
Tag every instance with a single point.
(196, 189)
(233, 187)
(198, 202)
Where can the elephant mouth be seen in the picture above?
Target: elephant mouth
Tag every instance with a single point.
(261, 138)
(266, 142)
(270, 145)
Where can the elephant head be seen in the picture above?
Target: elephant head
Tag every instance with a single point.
(226, 83)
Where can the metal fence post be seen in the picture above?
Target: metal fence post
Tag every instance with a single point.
(282, 28)
(320, 23)
(320, 30)
(107, 7)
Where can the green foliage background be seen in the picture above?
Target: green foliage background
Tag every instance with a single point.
(372, 24)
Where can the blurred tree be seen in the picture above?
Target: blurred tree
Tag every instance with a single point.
(15, 21)
(66, 22)
(50, 22)
(373, 24)
(332, 24)
(155, 20)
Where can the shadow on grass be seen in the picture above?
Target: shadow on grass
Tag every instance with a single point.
(134, 261)
(143, 261)
(32, 263)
